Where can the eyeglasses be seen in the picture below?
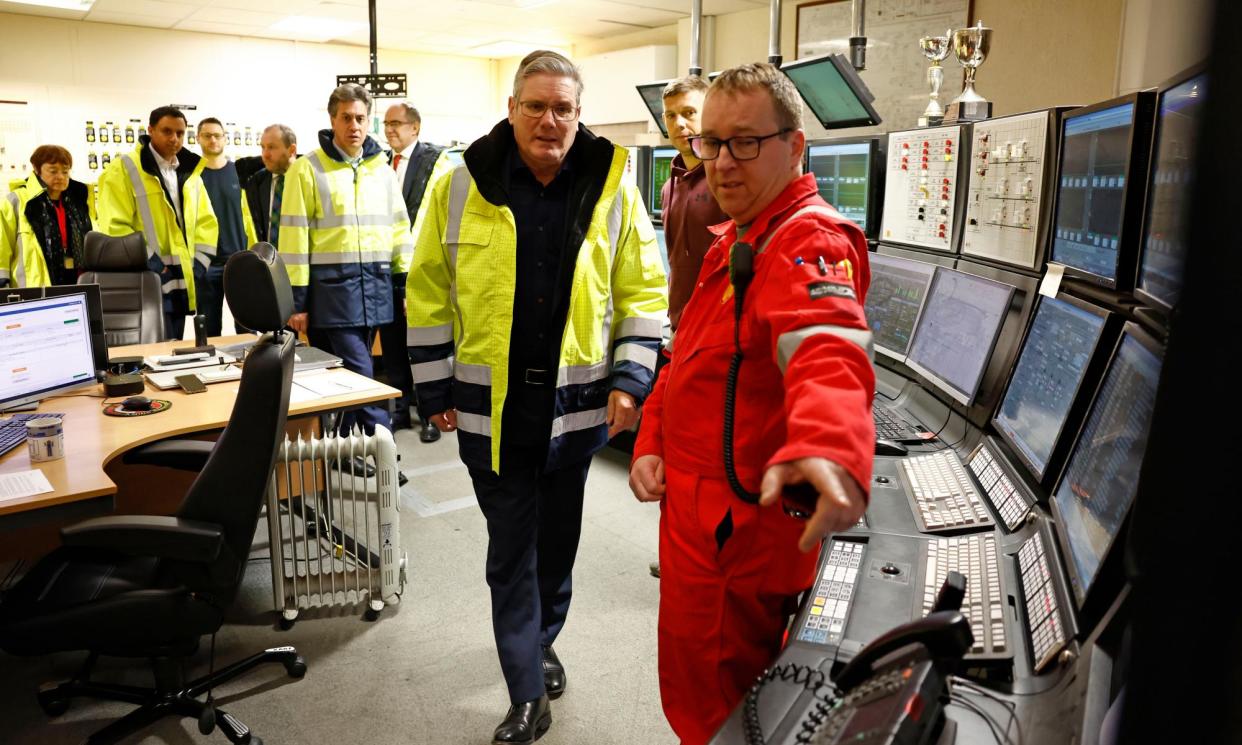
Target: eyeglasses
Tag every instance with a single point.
(562, 112)
(210, 136)
(394, 123)
(741, 147)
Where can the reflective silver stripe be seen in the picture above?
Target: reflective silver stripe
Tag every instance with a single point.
(459, 189)
(637, 353)
(606, 327)
(579, 420)
(13, 200)
(144, 206)
(295, 259)
(174, 284)
(429, 372)
(475, 374)
(204, 253)
(812, 208)
(343, 221)
(787, 344)
(21, 263)
(638, 326)
(319, 258)
(419, 336)
(476, 424)
(321, 184)
(581, 374)
(614, 225)
(294, 221)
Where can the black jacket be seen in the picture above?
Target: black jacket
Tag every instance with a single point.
(417, 174)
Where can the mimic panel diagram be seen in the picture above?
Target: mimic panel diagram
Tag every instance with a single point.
(921, 201)
(1004, 203)
(106, 139)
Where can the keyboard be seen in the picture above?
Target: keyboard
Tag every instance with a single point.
(833, 591)
(13, 429)
(1043, 614)
(889, 425)
(1005, 498)
(941, 494)
(984, 605)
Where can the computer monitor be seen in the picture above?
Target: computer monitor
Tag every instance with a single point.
(1168, 193)
(653, 97)
(894, 301)
(848, 174)
(957, 330)
(1101, 182)
(833, 91)
(1056, 357)
(94, 309)
(661, 170)
(1098, 485)
(45, 348)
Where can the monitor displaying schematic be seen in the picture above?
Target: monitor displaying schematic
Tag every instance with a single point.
(894, 301)
(1047, 378)
(957, 330)
(45, 348)
(922, 174)
(1172, 181)
(653, 97)
(833, 91)
(848, 175)
(1006, 197)
(1099, 484)
(1101, 181)
(661, 171)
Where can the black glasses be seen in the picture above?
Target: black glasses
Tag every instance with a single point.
(741, 147)
(536, 109)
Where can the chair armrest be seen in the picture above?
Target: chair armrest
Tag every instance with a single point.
(150, 535)
(184, 455)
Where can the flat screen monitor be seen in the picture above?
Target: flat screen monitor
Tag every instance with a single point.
(957, 331)
(653, 97)
(894, 301)
(1168, 195)
(661, 170)
(94, 309)
(833, 91)
(1099, 482)
(45, 348)
(1100, 185)
(846, 173)
(1050, 372)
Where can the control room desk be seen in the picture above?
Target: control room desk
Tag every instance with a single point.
(85, 481)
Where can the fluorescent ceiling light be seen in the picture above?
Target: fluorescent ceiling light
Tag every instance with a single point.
(80, 5)
(508, 48)
(316, 29)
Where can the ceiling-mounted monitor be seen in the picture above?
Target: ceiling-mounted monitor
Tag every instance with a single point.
(653, 97)
(832, 89)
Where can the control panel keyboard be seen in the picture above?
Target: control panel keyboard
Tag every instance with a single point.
(984, 606)
(1006, 499)
(832, 593)
(1043, 614)
(942, 496)
(889, 425)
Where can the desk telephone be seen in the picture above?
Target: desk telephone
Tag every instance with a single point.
(892, 692)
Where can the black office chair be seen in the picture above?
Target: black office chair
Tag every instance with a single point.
(148, 586)
(131, 294)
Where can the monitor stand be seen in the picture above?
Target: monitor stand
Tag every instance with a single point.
(29, 406)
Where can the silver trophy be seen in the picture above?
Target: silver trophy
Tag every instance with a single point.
(970, 46)
(935, 48)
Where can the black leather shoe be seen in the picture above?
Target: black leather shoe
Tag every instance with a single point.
(430, 433)
(553, 673)
(357, 465)
(525, 722)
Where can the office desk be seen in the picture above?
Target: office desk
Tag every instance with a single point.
(82, 482)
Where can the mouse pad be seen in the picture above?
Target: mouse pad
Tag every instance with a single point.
(157, 405)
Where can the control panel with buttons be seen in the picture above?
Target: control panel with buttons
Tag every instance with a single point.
(921, 200)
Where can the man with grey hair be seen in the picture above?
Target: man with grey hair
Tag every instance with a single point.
(265, 189)
(535, 303)
(797, 347)
(345, 239)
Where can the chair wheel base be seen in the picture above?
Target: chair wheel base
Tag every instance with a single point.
(297, 668)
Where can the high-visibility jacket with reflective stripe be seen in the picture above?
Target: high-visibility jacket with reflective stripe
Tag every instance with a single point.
(344, 236)
(132, 199)
(459, 306)
(446, 161)
(806, 383)
(22, 263)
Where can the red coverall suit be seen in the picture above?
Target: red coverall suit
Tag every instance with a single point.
(731, 571)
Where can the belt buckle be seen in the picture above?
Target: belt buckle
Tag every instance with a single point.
(536, 377)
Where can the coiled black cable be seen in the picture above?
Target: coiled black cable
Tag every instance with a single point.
(810, 679)
(741, 270)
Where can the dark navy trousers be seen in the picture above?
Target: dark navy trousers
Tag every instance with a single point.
(353, 346)
(534, 520)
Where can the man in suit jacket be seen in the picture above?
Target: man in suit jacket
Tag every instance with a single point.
(280, 147)
(417, 164)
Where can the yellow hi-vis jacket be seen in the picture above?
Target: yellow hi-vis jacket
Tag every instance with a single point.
(344, 236)
(22, 261)
(460, 294)
(133, 199)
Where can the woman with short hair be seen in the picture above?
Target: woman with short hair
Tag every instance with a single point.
(43, 223)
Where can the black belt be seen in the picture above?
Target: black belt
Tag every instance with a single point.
(537, 378)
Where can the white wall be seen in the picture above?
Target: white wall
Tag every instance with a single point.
(73, 71)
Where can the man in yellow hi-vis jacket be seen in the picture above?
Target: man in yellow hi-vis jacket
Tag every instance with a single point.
(345, 239)
(535, 302)
(157, 190)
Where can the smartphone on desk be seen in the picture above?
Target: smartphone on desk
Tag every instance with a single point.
(191, 383)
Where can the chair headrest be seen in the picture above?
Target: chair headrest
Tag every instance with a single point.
(256, 286)
(106, 253)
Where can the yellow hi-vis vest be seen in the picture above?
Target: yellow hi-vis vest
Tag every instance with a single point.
(22, 263)
(459, 305)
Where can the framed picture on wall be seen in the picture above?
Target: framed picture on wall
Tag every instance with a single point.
(896, 70)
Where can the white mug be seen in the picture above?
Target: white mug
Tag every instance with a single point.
(45, 439)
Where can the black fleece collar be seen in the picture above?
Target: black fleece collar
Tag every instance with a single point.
(487, 158)
(370, 148)
(187, 161)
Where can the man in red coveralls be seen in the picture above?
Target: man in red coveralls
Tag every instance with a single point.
(732, 570)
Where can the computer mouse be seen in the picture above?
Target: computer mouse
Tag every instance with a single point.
(890, 447)
(136, 403)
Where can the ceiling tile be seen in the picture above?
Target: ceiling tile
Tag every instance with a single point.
(230, 16)
(212, 27)
(130, 19)
(151, 8)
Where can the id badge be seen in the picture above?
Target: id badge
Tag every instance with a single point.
(68, 262)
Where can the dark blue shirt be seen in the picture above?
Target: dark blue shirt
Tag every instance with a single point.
(224, 190)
